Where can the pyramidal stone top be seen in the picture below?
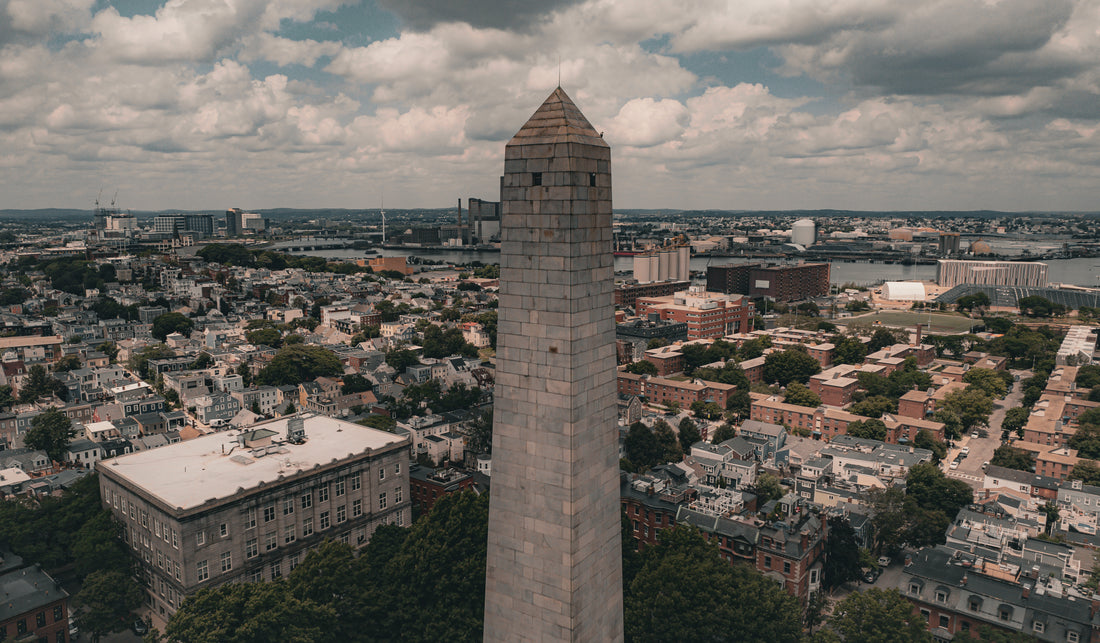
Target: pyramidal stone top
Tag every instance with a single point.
(558, 120)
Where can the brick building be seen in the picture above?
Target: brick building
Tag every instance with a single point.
(626, 295)
(708, 315)
(35, 607)
(427, 485)
(779, 282)
(659, 390)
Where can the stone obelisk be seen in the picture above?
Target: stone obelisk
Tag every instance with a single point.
(554, 559)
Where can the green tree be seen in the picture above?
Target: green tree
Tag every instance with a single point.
(888, 516)
(643, 367)
(688, 434)
(925, 440)
(725, 432)
(768, 488)
(107, 599)
(39, 383)
(685, 592)
(1015, 420)
(842, 560)
(380, 422)
(265, 337)
(874, 407)
(878, 616)
(479, 432)
(871, 429)
(642, 448)
(67, 363)
(300, 363)
(1013, 458)
(964, 409)
(848, 350)
(97, 545)
(883, 338)
(400, 359)
(986, 380)
(168, 323)
(51, 432)
(801, 395)
(1086, 471)
(667, 439)
(355, 383)
(706, 410)
(791, 365)
(753, 348)
(247, 612)
(931, 489)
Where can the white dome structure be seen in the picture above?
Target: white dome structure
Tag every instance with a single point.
(804, 232)
(903, 291)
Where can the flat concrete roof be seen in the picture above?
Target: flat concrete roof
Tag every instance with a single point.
(187, 474)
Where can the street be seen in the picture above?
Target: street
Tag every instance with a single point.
(982, 448)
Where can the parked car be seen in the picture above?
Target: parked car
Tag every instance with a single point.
(884, 561)
(974, 435)
(140, 627)
(871, 575)
(965, 451)
(954, 464)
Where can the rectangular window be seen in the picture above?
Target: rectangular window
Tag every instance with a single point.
(307, 500)
(202, 571)
(323, 525)
(382, 500)
(271, 541)
(536, 178)
(227, 561)
(341, 514)
(276, 570)
(945, 621)
(21, 626)
(40, 619)
(399, 518)
(926, 615)
(251, 548)
(356, 482)
(339, 490)
(145, 519)
(223, 530)
(256, 576)
(269, 513)
(381, 473)
(941, 597)
(397, 499)
(322, 493)
(288, 534)
(250, 518)
(294, 561)
(307, 527)
(1038, 626)
(786, 567)
(179, 575)
(356, 508)
(288, 506)
(1072, 637)
(200, 538)
(57, 613)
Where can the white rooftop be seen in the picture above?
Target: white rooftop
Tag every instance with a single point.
(187, 474)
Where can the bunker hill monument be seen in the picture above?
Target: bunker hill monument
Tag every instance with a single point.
(554, 569)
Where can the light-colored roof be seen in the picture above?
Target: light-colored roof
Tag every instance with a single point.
(29, 340)
(187, 474)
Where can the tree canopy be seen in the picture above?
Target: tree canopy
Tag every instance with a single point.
(1013, 458)
(801, 395)
(791, 365)
(685, 592)
(168, 323)
(51, 432)
(300, 363)
(643, 367)
(878, 616)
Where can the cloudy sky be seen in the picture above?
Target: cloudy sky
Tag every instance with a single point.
(736, 104)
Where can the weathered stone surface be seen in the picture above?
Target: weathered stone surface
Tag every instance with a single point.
(554, 566)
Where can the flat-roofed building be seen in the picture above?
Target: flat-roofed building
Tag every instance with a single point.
(707, 314)
(953, 272)
(245, 506)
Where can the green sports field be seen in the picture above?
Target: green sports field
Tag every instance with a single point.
(940, 323)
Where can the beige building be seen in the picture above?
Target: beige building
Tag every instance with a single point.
(246, 506)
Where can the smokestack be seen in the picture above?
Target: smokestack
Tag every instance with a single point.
(920, 328)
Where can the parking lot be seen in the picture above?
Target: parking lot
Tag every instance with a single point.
(980, 449)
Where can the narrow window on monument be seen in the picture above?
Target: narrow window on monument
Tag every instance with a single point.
(592, 179)
(536, 178)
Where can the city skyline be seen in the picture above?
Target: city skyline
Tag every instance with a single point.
(864, 105)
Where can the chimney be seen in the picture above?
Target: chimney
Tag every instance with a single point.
(805, 540)
(1027, 590)
(920, 327)
(964, 578)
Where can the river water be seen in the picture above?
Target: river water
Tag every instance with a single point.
(1080, 272)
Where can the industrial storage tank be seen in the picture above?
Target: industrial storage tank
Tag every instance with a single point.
(685, 262)
(641, 269)
(804, 232)
(664, 259)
